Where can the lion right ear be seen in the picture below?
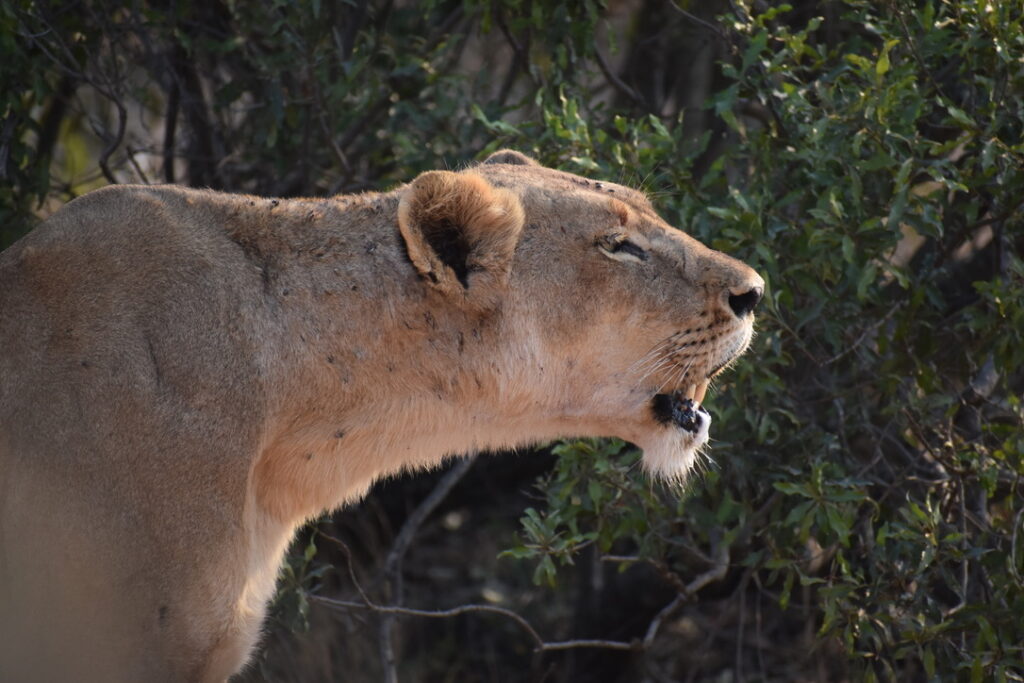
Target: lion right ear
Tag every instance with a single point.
(510, 156)
(461, 233)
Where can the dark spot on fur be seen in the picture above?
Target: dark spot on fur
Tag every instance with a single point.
(267, 279)
(598, 185)
(285, 292)
(430, 320)
(330, 359)
(355, 288)
(370, 247)
(157, 375)
(340, 434)
(274, 203)
(85, 363)
(161, 615)
(309, 456)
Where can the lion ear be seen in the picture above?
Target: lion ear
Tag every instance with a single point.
(460, 233)
(510, 156)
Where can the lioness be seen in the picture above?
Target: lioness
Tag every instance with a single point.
(187, 376)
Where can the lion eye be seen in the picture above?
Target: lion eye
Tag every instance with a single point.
(618, 247)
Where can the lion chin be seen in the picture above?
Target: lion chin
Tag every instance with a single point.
(683, 428)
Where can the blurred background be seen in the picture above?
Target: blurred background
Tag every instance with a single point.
(860, 517)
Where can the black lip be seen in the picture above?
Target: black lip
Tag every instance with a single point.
(682, 412)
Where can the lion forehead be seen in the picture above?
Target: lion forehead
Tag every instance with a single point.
(518, 176)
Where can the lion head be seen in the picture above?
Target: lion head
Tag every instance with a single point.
(612, 322)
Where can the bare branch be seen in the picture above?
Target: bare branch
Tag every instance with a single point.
(135, 164)
(122, 120)
(716, 573)
(540, 645)
(863, 335)
(393, 563)
(6, 137)
(171, 121)
(697, 20)
(351, 570)
(655, 625)
(617, 82)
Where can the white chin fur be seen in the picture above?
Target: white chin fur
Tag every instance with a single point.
(670, 452)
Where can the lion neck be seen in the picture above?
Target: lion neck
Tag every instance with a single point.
(378, 376)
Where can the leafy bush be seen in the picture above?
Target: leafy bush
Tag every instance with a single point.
(860, 513)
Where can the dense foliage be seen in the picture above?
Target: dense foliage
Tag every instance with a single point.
(860, 513)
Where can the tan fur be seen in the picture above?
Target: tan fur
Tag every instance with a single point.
(187, 376)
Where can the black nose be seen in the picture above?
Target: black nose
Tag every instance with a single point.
(741, 304)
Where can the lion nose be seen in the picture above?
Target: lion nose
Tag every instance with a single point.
(745, 299)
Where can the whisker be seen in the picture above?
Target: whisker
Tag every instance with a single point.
(651, 362)
(664, 363)
(654, 352)
(684, 370)
(664, 357)
(669, 379)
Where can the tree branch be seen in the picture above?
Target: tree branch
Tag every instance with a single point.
(540, 645)
(122, 120)
(393, 563)
(617, 82)
(171, 120)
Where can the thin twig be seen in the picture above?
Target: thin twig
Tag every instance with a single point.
(1013, 548)
(697, 20)
(617, 82)
(393, 563)
(665, 612)
(716, 573)
(917, 55)
(135, 164)
(171, 119)
(863, 335)
(540, 645)
(351, 567)
(122, 120)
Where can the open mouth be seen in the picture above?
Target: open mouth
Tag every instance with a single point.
(671, 451)
(683, 408)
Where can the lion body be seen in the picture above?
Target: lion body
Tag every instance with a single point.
(188, 376)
